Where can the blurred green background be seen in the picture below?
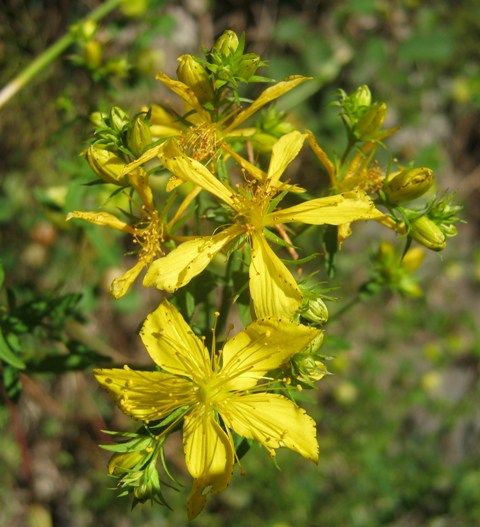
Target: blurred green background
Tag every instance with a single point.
(398, 422)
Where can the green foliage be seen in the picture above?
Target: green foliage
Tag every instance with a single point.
(34, 337)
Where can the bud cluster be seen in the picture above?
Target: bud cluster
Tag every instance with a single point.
(228, 62)
(134, 464)
(437, 224)
(118, 140)
(362, 117)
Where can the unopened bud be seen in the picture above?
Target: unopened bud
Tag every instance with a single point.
(386, 251)
(248, 66)
(315, 311)
(92, 54)
(87, 29)
(118, 119)
(408, 185)
(426, 232)
(122, 462)
(195, 76)
(98, 119)
(413, 259)
(361, 96)
(371, 122)
(227, 42)
(139, 136)
(107, 165)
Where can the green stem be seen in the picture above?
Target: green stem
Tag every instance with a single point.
(348, 149)
(50, 54)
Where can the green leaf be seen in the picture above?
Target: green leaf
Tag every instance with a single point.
(8, 355)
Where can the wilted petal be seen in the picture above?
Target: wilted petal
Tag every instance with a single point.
(187, 260)
(273, 289)
(322, 156)
(263, 345)
(209, 457)
(145, 395)
(272, 420)
(331, 210)
(173, 345)
(122, 284)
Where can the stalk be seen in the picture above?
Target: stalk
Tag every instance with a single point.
(50, 54)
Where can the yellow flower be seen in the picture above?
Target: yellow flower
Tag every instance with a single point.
(216, 393)
(198, 134)
(361, 173)
(272, 286)
(148, 232)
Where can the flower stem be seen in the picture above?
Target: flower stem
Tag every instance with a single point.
(50, 54)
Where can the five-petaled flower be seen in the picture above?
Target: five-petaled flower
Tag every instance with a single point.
(272, 287)
(216, 393)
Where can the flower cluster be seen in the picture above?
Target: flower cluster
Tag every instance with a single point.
(205, 181)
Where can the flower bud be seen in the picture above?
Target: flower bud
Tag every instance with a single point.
(315, 311)
(248, 66)
(139, 137)
(87, 29)
(195, 76)
(106, 165)
(98, 119)
(310, 369)
(426, 232)
(371, 122)
(133, 8)
(408, 185)
(118, 119)
(92, 54)
(122, 462)
(361, 96)
(413, 259)
(227, 43)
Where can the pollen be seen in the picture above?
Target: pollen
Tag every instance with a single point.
(149, 235)
(200, 142)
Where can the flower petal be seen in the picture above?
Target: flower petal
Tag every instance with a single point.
(101, 218)
(209, 457)
(272, 420)
(187, 260)
(268, 95)
(272, 286)
(188, 169)
(284, 151)
(322, 156)
(331, 210)
(173, 345)
(256, 172)
(185, 93)
(122, 284)
(263, 345)
(145, 395)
